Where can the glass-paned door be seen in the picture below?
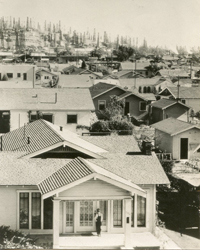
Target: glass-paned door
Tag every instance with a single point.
(69, 216)
(86, 219)
(117, 213)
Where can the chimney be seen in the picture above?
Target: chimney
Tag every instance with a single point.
(146, 147)
(61, 128)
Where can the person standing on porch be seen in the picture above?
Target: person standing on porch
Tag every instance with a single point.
(98, 219)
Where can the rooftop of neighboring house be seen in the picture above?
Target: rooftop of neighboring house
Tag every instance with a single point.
(165, 103)
(170, 57)
(101, 88)
(173, 73)
(17, 83)
(129, 93)
(108, 81)
(14, 67)
(173, 126)
(131, 65)
(75, 81)
(138, 82)
(184, 82)
(46, 99)
(183, 92)
(40, 70)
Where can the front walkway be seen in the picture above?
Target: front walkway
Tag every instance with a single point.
(107, 241)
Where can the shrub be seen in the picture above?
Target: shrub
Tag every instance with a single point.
(123, 127)
(100, 126)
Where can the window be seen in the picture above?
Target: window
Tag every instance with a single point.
(46, 77)
(18, 74)
(141, 211)
(183, 101)
(101, 105)
(117, 213)
(48, 117)
(30, 210)
(143, 106)
(10, 75)
(71, 119)
(24, 76)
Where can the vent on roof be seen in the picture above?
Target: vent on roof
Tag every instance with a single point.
(34, 96)
(61, 128)
(28, 139)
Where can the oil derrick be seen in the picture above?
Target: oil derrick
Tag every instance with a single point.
(22, 39)
(17, 39)
(2, 37)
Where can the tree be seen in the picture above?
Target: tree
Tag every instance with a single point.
(114, 109)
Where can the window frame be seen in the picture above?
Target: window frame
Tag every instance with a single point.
(11, 75)
(100, 104)
(72, 115)
(183, 101)
(141, 102)
(30, 210)
(18, 75)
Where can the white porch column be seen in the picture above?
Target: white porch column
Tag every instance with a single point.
(56, 215)
(127, 225)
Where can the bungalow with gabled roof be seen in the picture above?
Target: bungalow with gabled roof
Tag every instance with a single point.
(188, 96)
(179, 138)
(61, 196)
(165, 108)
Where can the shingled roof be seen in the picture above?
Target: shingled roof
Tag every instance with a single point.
(76, 170)
(43, 137)
(46, 99)
(184, 92)
(173, 126)
(165, 103)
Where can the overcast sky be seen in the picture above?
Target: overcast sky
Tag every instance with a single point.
(161, 22)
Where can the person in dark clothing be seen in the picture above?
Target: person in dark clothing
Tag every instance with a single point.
(98, 219)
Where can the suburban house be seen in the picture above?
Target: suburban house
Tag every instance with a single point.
(165, 108)
(188, 96)
(179, 138)
(44, 76)
(55, 196)
(65, 107)
(17, 72)
(124, 74)
(136, 106)
(101, 93)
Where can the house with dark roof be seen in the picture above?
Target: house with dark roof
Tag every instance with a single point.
(101, 93)
(188, 95)
(179, 138)
(165, 108)
(65, 107)
(60, 196)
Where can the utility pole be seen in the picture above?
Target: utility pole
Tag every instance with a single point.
(135, 72)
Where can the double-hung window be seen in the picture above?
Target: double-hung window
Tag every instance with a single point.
(31, 207)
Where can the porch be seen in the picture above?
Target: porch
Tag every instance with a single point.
(108, 241)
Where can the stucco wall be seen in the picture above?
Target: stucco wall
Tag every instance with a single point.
(19, 118)
(8, 205)
(157, 115)
(18, 69)
(175, 111)
(193, 103)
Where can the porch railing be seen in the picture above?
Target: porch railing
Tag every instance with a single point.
(164, 156)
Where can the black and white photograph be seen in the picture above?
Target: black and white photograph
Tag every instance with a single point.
(100, 124)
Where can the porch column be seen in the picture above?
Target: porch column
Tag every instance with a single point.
(127, 226)
(56, 215)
